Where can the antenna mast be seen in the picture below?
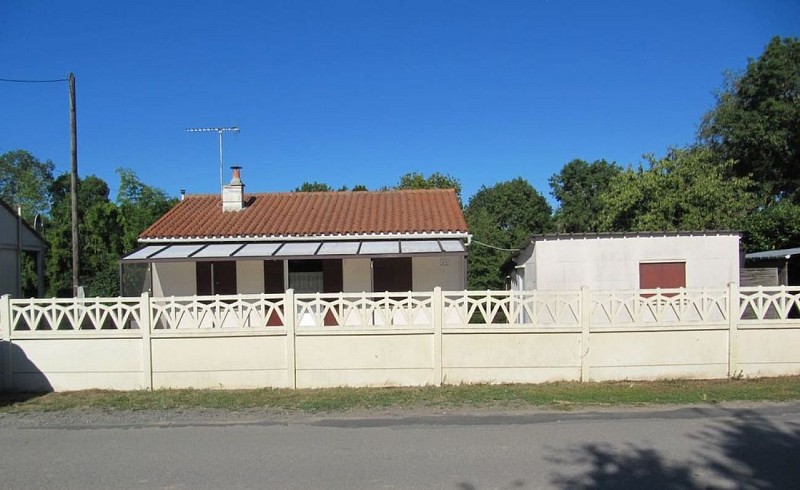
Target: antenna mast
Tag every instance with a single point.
(233, 129)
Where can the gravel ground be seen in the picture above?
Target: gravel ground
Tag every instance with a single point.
(93, 418)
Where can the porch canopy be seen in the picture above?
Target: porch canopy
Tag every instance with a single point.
(292, 250)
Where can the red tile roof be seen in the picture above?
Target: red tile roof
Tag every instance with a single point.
(313, 214)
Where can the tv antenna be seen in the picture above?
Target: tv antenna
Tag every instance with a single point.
(232, 129)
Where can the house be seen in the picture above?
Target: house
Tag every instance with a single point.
(18, 238)
(772, 268)
(627, 261)
(237, 243)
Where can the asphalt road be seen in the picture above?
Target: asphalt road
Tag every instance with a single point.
(739, 446)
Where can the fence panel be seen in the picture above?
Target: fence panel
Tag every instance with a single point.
(75, 314)
(659, 307)
(769, 303)
(218, 312)
(368, 310)
(510, 308)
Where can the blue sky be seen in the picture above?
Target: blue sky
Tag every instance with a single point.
(362, 92)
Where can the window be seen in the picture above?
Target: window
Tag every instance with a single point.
(316, 276)
(305, 276)
(665, 275)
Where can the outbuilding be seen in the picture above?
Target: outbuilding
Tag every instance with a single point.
(635, 260)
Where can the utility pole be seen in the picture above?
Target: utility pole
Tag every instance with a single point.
(233, 129)
(73, 130)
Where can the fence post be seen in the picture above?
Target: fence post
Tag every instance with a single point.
(733, 330)
(5, 343)
(586, 323)
(289, 313)
(438, 308)
(146, 318)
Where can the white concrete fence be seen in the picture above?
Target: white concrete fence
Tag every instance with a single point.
(397, 339)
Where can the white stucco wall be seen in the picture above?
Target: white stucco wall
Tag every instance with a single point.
(356, 275)
(613, 262)
(446, 272)
(249, 277)
(174, 279)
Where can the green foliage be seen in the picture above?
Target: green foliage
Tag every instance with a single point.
(140, 205)
(772, 228)
(106, 230)
(313, 187)
(99, 236)
(756, 121)
(501, 217)
(686, 190)
(24, 181)
(577, 188)
(436, 180)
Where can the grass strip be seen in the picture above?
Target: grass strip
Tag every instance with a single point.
(565, 395)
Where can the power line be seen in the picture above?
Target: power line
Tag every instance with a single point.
(495, 247)
(11, 80)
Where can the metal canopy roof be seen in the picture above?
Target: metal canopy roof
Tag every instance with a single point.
(773, 254)
(295, 250)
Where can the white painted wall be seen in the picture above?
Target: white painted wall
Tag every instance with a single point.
(510, 357)
(174, 279)
(78, 363)
(75, 360)
(364, 360)
(249, 277)
(613, 262)
(356, 275)
(446, 272)
(194, 360)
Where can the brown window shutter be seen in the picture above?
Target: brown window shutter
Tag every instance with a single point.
(273, 276)
(332, 276)
(664, 275)
(224, 277)
(392, 275)
(203, 277)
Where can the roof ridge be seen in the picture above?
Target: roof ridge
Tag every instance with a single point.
(335, 193)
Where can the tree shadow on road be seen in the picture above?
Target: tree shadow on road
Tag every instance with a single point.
(745, 451)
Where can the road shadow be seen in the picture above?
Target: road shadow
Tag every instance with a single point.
(26, 381)
(751, 453)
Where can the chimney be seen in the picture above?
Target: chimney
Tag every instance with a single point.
(233, 193)
(183, 194)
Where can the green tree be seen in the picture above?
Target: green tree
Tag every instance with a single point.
(577, 188)
(499, 218)
(25, 181)
(756, 121)
(772, 228)
(139, 205)
(436, 180)
(686, 190)
(313, 187)
(100, 236)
